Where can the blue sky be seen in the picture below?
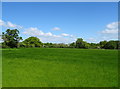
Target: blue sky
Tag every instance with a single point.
(62, 22)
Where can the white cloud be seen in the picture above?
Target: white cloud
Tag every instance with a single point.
(48, 34)
(36, 32)
(44, 37)
(64, 34)
(49, 37)
(113, 25)
(33, 32)
(111, 28)
(56, 29)
(57, 39)
(8, 24)
(2, 23)
(111, 32)
(56, 36)
(91, 39)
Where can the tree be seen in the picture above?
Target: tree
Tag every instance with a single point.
(22, 44)
(72, 45)
(118, 44)
(86, 45)
(11, 38)
(32, 42)
(111, 45)
(62, 45)
(103, 43)
(80, 43)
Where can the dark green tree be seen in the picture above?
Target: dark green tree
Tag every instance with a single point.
(80, 43)
(11, 38)
(48, 45)
(110, 45)
(118, 44)
(86, 45)
(72, 45)
(32, 42)
(102, 44)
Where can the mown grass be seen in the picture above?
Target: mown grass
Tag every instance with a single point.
(0, 68)
(55, 67)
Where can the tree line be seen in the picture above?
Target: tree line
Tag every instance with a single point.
(11, 39)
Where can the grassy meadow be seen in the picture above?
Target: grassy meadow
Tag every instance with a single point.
(59, 67)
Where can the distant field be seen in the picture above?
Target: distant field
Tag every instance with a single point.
(57, 67)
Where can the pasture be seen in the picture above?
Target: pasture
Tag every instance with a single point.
(59, 67)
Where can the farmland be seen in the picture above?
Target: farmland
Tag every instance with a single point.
(59, 67)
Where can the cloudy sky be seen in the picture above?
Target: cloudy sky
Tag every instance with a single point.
(62, 22)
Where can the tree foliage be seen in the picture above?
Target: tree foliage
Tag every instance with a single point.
(31, 42)
(82, 44)
(11, 38)
(72, 45)
(111, 45)
(103, 43)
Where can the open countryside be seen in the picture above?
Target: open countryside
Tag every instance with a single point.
(59, 44)
(55, 67)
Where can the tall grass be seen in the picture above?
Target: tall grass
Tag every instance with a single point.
(55, 67)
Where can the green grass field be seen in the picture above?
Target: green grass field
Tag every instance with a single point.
(58, 67)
